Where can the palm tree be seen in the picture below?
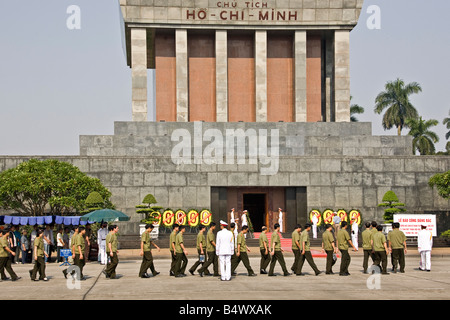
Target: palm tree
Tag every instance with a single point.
(396, 100)
(446, 122)
(424, 139)
(355, 109)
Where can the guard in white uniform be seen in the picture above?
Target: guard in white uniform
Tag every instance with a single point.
(314, 221)
(244, 221)
(355, 230)
(101, 240)
(234, 220)
(280, 219)
(424, 245)
(224, 249)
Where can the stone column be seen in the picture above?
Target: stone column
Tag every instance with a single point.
(329, 72)
(261, 75)
(300, 76)
(342, 75)
(139, 74)
(181, 47)
(221, 76)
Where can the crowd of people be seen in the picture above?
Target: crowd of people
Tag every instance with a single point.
(224, 250)
(227, 250)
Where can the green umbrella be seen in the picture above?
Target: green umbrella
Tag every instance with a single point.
(105, 215)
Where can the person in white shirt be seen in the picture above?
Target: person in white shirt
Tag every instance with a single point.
(280, 219)
(424, 245)
(32, 238)
(224, 249)
(314, 221)
(234, 219)
(355, 230)
(244, 220)
(48, 241)
(101, 240)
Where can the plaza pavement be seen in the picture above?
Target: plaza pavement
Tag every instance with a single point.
(411, 285)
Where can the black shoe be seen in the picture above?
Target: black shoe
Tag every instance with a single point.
(65, 273)
(156, 273)
(252, 275)
(262, 271)
(200, 273)
(272, 275)
(191, 272)
(17, 278)
(172, 274)
(317, 273)
(287, 274)
(181, 275)
(145, 276)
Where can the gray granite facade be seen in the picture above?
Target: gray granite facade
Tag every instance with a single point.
(340, 164)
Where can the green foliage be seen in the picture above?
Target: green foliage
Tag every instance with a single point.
(423, 138)
(395, 99)
(94, 198)
(149, 199)
(150, 212)
(355, 109)
(445, 234)
(390, 201)
(442, 182)
(38, 187)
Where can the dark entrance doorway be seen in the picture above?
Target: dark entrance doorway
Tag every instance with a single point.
(256, 204)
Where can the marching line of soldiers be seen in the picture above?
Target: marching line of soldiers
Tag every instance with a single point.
(227, 251)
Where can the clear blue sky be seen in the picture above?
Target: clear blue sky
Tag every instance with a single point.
(57, 84)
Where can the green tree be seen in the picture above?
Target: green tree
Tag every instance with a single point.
(390, 202)
(150, 212)
(423, 138)
(442, 182)
(95, 201)
(39, 187)
(355, 109)
(395, 99)
(446, 122)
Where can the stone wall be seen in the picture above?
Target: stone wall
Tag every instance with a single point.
(318, 13)
(339, 168)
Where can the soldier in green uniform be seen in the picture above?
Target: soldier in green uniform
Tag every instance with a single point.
(211, 253)
(380, 249)
(146, 252)
(264, 249)
(397, 247)
(329, 248)
(201, 248)
(172, 238)
(296, 246)
(241, 253)
(277, 252)
(367, 245)
(39, 260)
(78, 243)
(343, 241)
(5, 260)
(306, 252)
(181, 254)
(111, 250)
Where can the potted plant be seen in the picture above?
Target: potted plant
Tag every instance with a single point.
(152, 214)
